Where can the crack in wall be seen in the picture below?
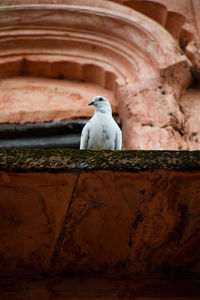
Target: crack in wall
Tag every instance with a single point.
(72, 196)
(164, 188)
(61, 236)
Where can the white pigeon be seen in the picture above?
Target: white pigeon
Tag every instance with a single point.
(101, 131)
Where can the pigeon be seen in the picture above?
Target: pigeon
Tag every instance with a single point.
(101, 131)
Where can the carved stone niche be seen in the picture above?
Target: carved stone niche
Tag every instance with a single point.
(55, 56)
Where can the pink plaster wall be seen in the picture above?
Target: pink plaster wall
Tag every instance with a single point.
(33, 99)
(143, 67)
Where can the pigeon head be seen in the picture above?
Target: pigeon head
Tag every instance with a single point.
(101, 104)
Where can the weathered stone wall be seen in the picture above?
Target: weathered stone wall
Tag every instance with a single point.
(142, 55)
(111, 213)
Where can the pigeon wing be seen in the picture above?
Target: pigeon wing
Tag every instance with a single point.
(84, 138)
(118, 140)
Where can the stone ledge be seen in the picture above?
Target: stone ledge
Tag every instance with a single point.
(119, 213)
(70, 159)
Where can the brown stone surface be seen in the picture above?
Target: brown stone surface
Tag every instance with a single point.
(100, 221)
(100, 289)
(88, 228)
(132, 223)
(32, 210)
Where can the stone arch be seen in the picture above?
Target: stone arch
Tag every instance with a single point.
(110, 45)
(173, 21)
(180, 19)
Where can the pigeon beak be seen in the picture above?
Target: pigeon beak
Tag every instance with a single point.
(91, 103)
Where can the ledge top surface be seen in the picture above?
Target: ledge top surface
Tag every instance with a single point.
(36, 159)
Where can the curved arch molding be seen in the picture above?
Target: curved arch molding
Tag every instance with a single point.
(107, 44)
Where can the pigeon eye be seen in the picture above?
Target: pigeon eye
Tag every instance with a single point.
(100, 99)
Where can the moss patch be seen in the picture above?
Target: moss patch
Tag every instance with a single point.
(71, 159)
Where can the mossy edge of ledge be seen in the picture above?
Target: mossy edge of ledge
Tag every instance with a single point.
(37, 159)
